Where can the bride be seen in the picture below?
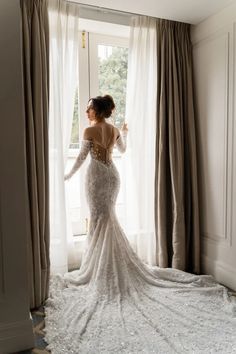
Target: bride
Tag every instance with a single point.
(115, 303)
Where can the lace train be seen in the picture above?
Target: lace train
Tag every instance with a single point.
(117, 304)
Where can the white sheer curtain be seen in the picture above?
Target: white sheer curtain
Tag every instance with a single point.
(141, 118)
(64, 42)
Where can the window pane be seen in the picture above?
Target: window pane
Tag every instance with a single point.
(74, 141)
(112, 77)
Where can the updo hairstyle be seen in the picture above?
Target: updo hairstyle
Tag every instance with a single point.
(103, 106)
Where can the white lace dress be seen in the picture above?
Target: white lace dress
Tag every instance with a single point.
(116, 304)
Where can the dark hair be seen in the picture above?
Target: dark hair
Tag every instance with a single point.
(102, 105)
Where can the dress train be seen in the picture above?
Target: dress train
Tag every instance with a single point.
(117, 304)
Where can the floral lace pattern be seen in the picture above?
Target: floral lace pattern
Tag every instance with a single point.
(84, 150)
(116, 304)
(121, 142)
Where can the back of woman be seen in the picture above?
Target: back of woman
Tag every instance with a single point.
(103, 137)
(103, 134)
(100, 137)
(102, 178)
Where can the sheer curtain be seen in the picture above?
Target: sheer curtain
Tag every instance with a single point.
(141, 118)
(64, 42)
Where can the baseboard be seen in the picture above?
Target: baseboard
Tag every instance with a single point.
(222, 272)
(16, 336)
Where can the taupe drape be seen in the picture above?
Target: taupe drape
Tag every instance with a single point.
(176, 192)
(35, 53)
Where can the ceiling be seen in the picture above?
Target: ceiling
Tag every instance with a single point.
(189, 11)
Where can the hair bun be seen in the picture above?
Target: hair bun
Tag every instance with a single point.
(109, 101)
(103, 106)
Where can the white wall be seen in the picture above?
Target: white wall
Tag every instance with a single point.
(215, 77)
(15, 324)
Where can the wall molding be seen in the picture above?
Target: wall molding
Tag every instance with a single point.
(218, 252)
(220, 270)
(16, 336)
(222, 35)
(213, 24)
(231, 133)
(233, 164)
(209, 37)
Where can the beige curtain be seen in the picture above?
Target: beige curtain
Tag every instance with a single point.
(176, 191)
(35, 52)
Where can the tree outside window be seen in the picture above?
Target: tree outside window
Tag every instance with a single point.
(112, 77)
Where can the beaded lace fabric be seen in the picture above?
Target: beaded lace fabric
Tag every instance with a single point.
(117, 304)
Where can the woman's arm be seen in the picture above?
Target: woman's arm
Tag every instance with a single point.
(83, 153)
(121, 140)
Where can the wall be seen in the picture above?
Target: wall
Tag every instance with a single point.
(15, 323)
(214, 51)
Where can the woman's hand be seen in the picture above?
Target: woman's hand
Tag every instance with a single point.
(124, 128)
(66, 177)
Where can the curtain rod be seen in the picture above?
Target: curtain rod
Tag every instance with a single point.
(105, 9)
(115, 12)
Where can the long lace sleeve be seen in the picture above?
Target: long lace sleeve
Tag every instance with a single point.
(121, 141)
(84, 150)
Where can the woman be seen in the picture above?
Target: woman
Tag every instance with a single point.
(115, 303)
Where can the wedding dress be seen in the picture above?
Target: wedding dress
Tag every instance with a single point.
(117, 304)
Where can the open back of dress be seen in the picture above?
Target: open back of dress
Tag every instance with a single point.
(103, 141)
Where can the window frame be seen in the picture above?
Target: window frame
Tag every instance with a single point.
(88, 87)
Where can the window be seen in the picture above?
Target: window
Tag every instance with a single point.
(108, 63)
(102, 70)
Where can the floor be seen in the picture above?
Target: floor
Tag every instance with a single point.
(38, 325)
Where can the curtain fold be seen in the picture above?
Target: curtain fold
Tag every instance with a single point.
(139, 171)
(35, 44)
(176, 190)
(64, 48)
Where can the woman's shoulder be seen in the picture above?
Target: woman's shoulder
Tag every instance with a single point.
(114, 129)
(91, 132)
(88, 133)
